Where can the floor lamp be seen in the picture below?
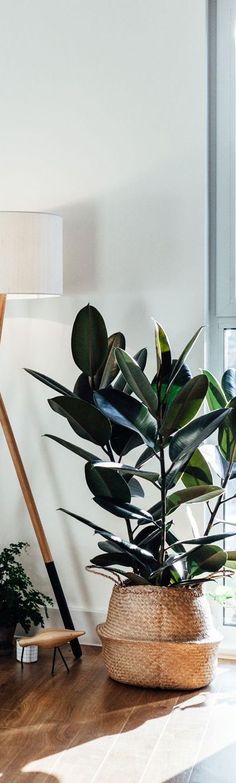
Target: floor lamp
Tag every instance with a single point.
(31, 265)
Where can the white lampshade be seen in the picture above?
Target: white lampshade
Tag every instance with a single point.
(30, 254)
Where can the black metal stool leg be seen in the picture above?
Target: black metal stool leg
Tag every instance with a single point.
(64, 660)
(22, 656)
(53, 660)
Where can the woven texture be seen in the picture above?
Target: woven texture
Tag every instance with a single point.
(159, 637)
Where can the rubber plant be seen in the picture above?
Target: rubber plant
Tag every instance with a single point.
(116, 408)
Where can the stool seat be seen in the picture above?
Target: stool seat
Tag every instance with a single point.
(51, 637)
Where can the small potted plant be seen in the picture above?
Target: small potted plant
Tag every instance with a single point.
(19, 601)
(159, 631)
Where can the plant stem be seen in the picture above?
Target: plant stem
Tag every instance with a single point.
(110, 452)
(163, 501)
(129, 529)
(219, 499)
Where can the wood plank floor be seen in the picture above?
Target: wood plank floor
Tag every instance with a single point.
(85, 728)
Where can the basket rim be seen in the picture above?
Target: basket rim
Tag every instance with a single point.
(186, 589)
(216, 636)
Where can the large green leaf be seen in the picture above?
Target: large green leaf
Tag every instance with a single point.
(141, 358)
(109, 370)
(121, 468)
(124, 440)
(85, 419)
(87, 455)
(227, 434)
(185, 405)
(215, 395)
(89, 341)
(127, 412)
(107, 483)
(106, 560)
(197, 471)
(229, 383)
(83, 389)
(142, 556)
(183, 376)
(191, 495)
(124, 510)
(208, 539)
(135, 488)
(49, 382)
(163, 351)
(136, 379)
(206, 559)
(183, 355)
(187, 440)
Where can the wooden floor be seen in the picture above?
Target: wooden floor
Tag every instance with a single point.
(84, 728)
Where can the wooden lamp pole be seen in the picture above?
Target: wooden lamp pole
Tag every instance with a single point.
(32, 508)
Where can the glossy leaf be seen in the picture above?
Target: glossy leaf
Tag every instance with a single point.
(141, 358)
(227, 434)
(124, 440)
(229, 383)
(135, 488)
(208, 539)
(89, 342)
(83, 389)
(136, 379)
(142, 556)
(197, 471)
(109, 370)
(206, 558)
(184, 354)
(199, 494)
(215, 395)
(107, 483)
(187, 440)
(49, 382)
(146, 455)
(107, 560)
(173, 542)
(121, 468)
(183, 376)
(123, 509)
(127, 412)
(87, 455)
(163, 351)
(85, 419)
(185, 405)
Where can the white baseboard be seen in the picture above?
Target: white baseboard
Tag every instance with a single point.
(83, 620)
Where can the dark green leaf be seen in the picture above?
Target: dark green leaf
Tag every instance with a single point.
(110, 369)
(135, 488)
(208, 539)
(76, 449)
(229, 383)
(146, 455)
(183, 376)
(123, 509)
(107, 483)
(127, 412)
(197, 471)
(187, 440)
(215, 395)
(184, 354)
(124, 440)
(227, 434)
(185, 405)
(89, 341)
(121, 468)
(83, 389)
(50, 382)
(107, 560)
(141, 358)
(206, 558)
(198, 494)
(136, 379)
(163, 352)
(85, 419)
(173, 542)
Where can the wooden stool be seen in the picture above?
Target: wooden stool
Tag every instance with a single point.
(52, 638)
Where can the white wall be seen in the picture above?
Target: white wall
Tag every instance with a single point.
(103, 119)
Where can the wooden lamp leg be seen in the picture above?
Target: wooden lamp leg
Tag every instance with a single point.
(33, 512)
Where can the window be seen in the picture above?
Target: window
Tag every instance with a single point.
(222, 222)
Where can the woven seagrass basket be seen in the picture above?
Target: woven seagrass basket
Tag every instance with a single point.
(160, 637)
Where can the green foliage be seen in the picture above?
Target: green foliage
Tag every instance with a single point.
(19, 601)
(114, 406)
